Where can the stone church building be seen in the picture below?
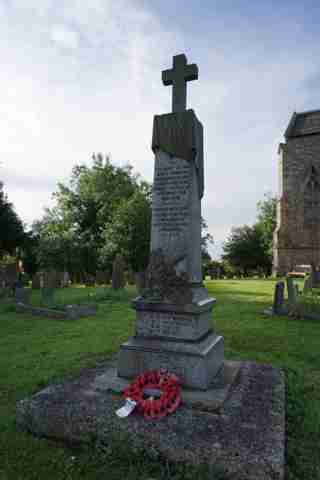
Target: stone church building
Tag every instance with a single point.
(297, 235)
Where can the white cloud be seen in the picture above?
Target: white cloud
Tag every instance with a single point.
(65, 37)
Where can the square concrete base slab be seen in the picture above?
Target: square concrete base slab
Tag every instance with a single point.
(245, 437)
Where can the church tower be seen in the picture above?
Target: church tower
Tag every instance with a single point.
(297, 235)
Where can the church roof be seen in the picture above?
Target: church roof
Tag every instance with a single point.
(304, 123)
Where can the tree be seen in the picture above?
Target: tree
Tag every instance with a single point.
(29, 253)
(72, 234)
(11, 227)
(246, 250)
(129, 232)
(267, 220)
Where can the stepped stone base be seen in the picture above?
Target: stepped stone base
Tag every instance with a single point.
(178, 338)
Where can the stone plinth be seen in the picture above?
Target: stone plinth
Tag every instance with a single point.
(176, 337)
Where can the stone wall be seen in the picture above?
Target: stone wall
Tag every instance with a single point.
(297, 236)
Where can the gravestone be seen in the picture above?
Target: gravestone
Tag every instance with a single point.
(22, 295)
(278, 300)
(36, 281)
(307, 284)
(65, 279)
(173, 316)
(291, 291)
(89, 280)
(100, 277)
(10, 275)
(51, 281)
(140, 281)
(118, 273)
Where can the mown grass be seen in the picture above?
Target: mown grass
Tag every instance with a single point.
(36, 351)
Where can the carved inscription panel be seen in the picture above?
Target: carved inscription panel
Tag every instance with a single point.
(182, 367)
(171, 196)
(171, 325)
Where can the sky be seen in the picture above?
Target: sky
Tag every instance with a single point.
(82, 77)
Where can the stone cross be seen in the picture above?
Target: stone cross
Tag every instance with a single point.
(178, 76)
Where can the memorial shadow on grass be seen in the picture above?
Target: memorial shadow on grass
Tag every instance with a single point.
(37, 351)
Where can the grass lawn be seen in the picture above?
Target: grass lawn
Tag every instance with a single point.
(36, 351)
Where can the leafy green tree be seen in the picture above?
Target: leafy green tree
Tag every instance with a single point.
(11, 227)
(29, 253)
(246, 250)
(73, 233)
(129, 231)
(266, 220)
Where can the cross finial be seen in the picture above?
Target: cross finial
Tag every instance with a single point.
(178, 76)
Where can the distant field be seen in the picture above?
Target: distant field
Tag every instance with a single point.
(36, 351)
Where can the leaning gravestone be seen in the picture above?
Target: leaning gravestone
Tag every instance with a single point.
(173, 317)
(118, 273)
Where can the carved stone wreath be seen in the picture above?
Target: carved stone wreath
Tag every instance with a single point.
(163, 283)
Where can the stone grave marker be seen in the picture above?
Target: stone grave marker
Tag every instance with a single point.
(307, 284)
(65, 279)
(89, 280)
(140, 281)
(22, 295)
(173, 317)
(291, 291)
(118, 273)
(36, 281)
(100, 277)
(278, 300)
(51, 281)
(10, 275)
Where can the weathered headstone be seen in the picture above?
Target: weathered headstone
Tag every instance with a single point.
(307, 284)
(36, 281)
(140, 281)
(51, 281)
(118, 273)
(10, 275)
(22, 295)
(65, 279)
(278, 300)
(173, 325)
(89, 280)
(100, 277)
(291, 291)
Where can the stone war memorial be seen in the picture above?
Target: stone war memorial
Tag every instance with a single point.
(297, 235)
(232, 413)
